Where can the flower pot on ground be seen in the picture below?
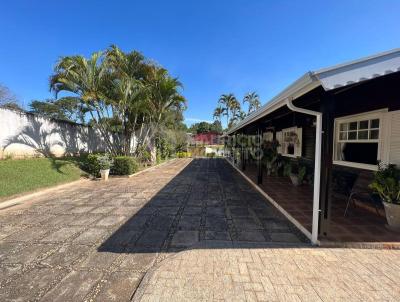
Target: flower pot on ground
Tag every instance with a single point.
(295, 172)
(392, 212)
(104, 174)
(387, 184)
(105, 162)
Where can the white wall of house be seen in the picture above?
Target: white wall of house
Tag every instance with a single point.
(394, 137)
(26, 135)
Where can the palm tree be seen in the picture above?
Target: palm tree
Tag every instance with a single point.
(253, 100)
(163, 95)
(218, 112)
(228, 102)
(127, 89)
(88, 80)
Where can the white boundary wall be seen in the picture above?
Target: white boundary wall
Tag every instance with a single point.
(28, 135)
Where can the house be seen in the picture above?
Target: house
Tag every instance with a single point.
(209, 138)
(338, 122)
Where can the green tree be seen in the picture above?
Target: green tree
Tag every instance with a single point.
(253, 101)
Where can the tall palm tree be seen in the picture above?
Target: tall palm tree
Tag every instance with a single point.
(228, 102)
(253, 100)
(128, 90)
(163, 95)
(87, 79)
(218, 112)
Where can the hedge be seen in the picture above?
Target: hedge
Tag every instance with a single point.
(124, 165)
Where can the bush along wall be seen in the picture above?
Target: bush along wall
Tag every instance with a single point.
(124, 165)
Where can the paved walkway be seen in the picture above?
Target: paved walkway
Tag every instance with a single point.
(274, 274)
(96, 241)
(198, 230)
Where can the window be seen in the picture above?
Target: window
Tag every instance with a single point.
(290, 141)
(357, 140)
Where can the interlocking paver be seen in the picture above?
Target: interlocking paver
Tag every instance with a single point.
(198, 229)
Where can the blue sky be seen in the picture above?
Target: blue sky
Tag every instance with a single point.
(214, 47)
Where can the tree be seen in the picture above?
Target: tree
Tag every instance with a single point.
(253, 100)
(120, 91)
(88, 79)
(8, 99)
(227, 102)
(67, 108)
(218, 113)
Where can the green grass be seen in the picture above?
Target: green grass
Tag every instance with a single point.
(19, 176)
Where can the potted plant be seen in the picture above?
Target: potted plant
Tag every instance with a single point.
(105, 162)
(297, 174)
(387, 184)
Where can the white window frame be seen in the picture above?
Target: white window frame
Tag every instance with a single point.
(282, 143)
(371, 115)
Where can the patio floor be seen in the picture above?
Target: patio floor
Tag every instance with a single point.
(360, 225)
(97, 240)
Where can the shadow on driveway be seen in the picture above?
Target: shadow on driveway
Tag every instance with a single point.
(207, 204)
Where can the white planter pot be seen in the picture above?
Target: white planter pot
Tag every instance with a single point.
(104, 174)
(392, 215)
(295, 180)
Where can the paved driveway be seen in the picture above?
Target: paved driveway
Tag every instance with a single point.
(96, 241)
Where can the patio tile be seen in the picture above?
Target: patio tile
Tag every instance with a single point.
(74, 287)
(185, 238)
(284, 237)
(213, 235)
(137, 261)
(189, 223)
(62, 234)
(91, 236)
(216, 223)
(119, 286)
(152, 238)
(31, 284)
(110, 221)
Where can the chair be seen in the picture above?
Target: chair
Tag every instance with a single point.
(361, 192)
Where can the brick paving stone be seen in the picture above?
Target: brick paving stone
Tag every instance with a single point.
(198, 230)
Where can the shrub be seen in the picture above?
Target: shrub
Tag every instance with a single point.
(91, 164)
(124, 165)
(183, 154)
(145, 157)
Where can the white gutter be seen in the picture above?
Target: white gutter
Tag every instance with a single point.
(317, 166)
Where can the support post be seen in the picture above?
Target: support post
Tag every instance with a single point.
(259, 157)
(327, 108)
(317, 167)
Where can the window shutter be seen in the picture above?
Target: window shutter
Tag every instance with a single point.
(280, 141)
(394, 145)
(298, 147)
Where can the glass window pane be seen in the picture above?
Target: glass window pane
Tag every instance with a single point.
(363, 134)
(343, 135)
(363, 125)
(343, 127)
(353, 126)
(352, 135)
(375, 123)
(374, 134)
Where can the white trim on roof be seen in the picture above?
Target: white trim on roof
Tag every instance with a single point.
(330, 78)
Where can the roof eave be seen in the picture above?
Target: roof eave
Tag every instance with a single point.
(298, 88)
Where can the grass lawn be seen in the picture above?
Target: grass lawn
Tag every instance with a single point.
(19, 176)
